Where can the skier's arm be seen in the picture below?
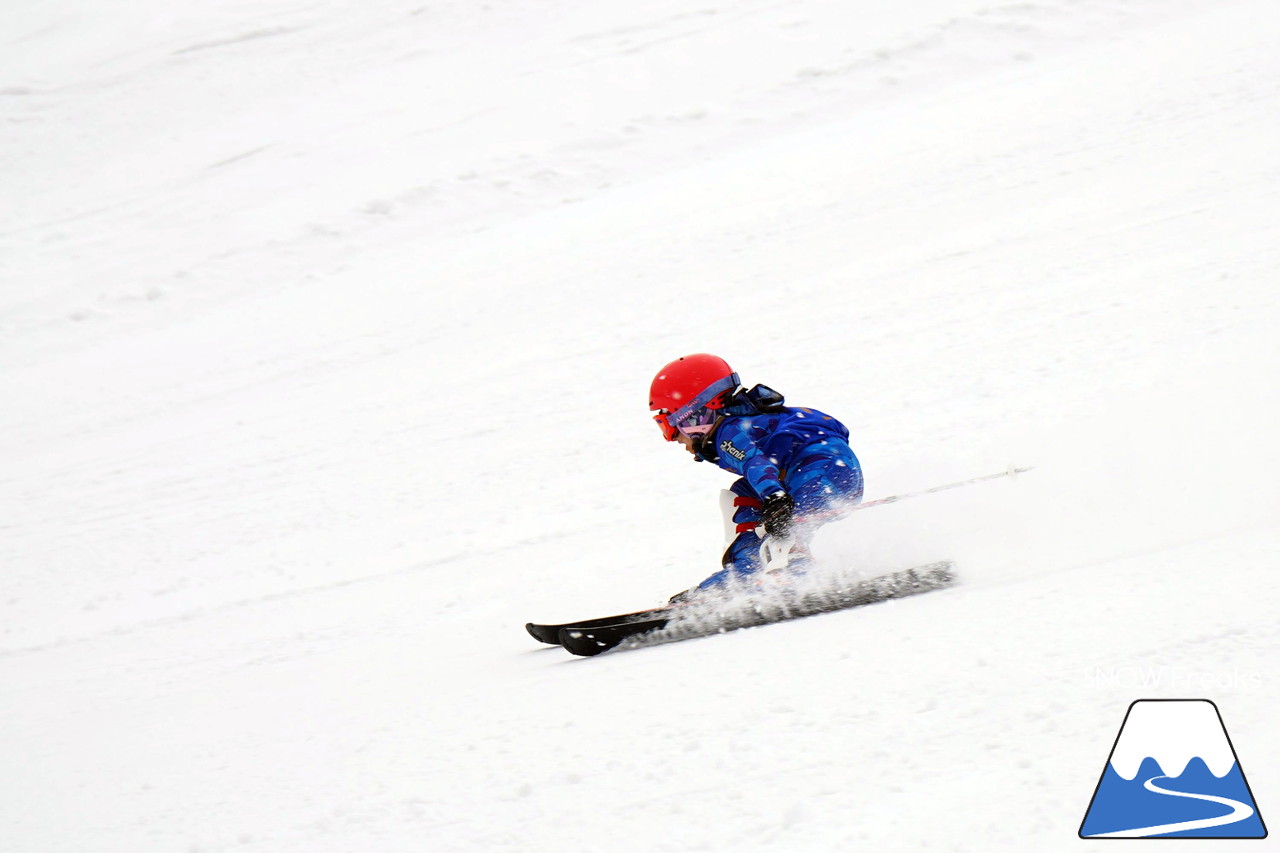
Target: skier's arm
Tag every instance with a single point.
(739, 453)
(762, 473)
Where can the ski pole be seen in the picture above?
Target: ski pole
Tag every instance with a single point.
(843, 511)
(1010, 472)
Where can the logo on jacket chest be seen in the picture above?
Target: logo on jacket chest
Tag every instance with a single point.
(727, 446)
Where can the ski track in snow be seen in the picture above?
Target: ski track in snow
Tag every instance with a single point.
(325, 332)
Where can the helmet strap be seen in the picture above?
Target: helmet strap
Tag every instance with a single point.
(708, 394)
(704, 449)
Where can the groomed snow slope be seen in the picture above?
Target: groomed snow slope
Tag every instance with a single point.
(325, 332)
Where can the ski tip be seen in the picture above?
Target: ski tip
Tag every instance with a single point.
(539, 633)
(582, 642)
(589, 641)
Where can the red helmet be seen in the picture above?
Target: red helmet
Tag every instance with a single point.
(688, 392)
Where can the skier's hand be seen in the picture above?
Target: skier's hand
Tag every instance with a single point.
(777, 510)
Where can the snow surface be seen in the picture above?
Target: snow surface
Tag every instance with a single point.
(325, 332)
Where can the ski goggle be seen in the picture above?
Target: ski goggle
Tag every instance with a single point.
(698, 423)
(698, 415)
(668, 430)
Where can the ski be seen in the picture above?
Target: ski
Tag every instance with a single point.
(620, 624)
(587, 641)
(719, 617)
(550, 634)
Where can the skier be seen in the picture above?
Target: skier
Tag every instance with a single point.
(796, 469)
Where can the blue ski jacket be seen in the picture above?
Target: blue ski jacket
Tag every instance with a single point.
(767, 448)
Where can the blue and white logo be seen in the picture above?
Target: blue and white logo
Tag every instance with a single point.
(1173, 773)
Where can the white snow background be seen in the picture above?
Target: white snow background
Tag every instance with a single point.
(326, 331)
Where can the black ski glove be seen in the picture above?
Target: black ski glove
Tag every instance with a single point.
(777, 509)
